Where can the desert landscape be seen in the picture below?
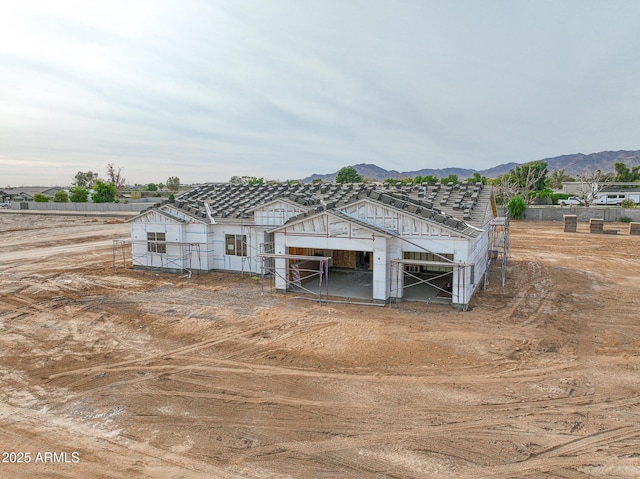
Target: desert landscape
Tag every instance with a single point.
(114, 373)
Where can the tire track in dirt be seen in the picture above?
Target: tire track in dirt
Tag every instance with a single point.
(244, 367)
(148, 461)
(166, 354)
(46, 252)
(561, 455)
(284, 408)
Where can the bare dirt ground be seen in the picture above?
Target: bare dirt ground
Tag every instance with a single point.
(162, 376)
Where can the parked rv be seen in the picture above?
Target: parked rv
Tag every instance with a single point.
(616, 198)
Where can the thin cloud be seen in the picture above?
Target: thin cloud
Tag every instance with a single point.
(282, 89)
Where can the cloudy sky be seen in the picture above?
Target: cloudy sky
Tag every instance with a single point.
(205, 90)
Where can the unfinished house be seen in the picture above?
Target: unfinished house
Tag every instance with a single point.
(372, 242)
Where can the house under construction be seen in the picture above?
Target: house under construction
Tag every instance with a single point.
(427, 242)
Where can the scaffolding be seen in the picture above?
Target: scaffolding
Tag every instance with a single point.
(251, 245)
(296, 277)
(499, 247)
(187, 258)
(403, 272)
(120, 248)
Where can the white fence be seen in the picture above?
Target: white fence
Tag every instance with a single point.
(81, 207)
(556, 213)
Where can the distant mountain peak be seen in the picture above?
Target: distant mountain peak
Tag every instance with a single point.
(574, 164)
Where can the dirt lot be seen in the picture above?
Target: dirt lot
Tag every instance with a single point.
(135, 374)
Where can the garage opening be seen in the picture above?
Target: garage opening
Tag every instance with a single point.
(350, 273)
(424, 276)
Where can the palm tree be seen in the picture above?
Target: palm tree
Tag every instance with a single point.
(555, 179)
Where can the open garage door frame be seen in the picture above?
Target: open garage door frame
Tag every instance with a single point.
(401, 272)
(267, 261)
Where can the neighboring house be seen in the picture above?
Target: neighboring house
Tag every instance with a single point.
(26, 193)
(579, 188)
(5, 196)
(428, 236)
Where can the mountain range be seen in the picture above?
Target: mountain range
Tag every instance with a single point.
(574, 165)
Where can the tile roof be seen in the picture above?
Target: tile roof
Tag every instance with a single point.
(461, 207)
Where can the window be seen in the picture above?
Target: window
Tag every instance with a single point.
(236, 245)
(153, 243)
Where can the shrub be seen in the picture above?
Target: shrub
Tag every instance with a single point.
(628, 203)
(625, 219)
(40, 198)
(61, 197)
(79, 194)
(516, 207)
(104, 192)
(556, 197)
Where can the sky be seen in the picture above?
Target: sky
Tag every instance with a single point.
(281, 89)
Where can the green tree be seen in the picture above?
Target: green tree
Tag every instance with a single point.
(516, 207)
(403, 181)
(85, 179)
(40, 198)
(450, 179)
(477, 178)
(317, 181)
(418, 180)
(151, 187)
(61, 197)
(556, 178)
(104, 192)
(531, 176)
(626, 175)
(348, 174)
(79, 194)
(173, 183)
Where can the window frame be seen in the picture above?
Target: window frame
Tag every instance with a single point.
(156, 242)
(235, 245)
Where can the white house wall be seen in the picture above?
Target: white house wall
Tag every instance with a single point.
(195, 257)
(329, 232)
(154, 222)
(276, 213)
(385, 217)
(381, 269)
(218, 257)
(280, 247)
(393, 276)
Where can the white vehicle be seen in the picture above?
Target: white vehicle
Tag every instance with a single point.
(571, 201)
(5, 205)
(615, 198)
